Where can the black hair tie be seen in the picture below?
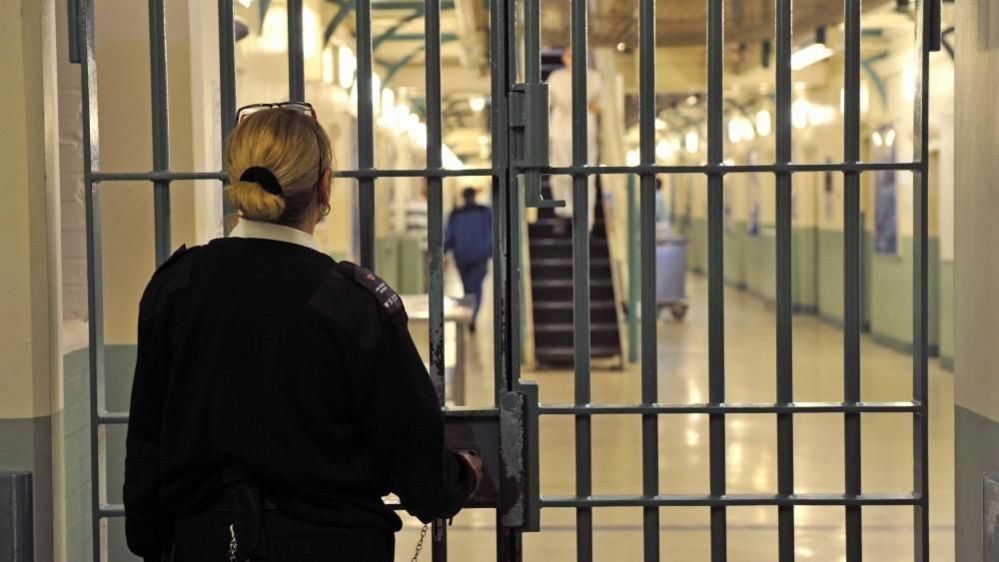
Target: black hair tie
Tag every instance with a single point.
(264, 177)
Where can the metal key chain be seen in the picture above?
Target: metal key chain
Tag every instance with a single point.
(419, 544)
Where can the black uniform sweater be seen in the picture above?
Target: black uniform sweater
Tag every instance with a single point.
(272, 357)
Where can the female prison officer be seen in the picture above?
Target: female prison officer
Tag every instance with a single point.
(277, 393)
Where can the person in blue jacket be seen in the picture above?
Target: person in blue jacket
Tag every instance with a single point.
(469, 238)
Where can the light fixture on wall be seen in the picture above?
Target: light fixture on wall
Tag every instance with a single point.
(663, 149)
(328, 74)
(909, 81)
(692, 142)
(764, 123)
(799, 113)
(346, 67)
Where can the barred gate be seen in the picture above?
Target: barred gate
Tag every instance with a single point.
(519, 140)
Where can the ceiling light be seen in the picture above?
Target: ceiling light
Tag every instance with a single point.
(246, 3)
(803, 58)
(633, 157)
(734, 130)
(621, 47)
(692, 100)
(477, 103)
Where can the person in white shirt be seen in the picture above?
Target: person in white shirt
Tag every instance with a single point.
(560, 100)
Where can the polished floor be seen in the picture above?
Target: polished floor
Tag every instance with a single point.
(751, 447)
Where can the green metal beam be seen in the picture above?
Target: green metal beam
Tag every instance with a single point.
(395, 67)
(345, 9)
(445, 37)
(392, 31)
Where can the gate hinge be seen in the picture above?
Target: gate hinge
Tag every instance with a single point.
(529, 134)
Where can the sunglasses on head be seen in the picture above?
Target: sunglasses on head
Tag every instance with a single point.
(297, 106)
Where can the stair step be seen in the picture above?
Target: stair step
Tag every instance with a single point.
(566, 242)
(561, 327)
(567, 283)
(568, 353)
(566, 262)
(568, 305)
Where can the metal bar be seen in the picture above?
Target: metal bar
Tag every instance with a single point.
(365, 133)
(157, 176)
(634, 272)
(716, 278)
(95, 273)
(581, 276)
(435, 227)
(500, 181)
(73, 29)
(785, 394)
(296, 52)
(725, 169)
(227, 93)
(647, 209)
(746, 408)
(927, 38)
(161, 126)
(734, 500)
(851, 272)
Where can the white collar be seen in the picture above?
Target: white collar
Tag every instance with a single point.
(270, 231)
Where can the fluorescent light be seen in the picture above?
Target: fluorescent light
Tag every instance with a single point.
(346, 67)
(803, 58)
(764, 123)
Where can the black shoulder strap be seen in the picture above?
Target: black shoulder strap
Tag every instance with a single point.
(388, 299)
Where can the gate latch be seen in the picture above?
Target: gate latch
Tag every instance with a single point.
(506, 439)
(529, 134)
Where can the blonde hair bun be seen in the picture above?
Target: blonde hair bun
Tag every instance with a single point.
(254, 202)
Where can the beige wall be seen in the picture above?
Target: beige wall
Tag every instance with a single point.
(25, 307)
(977, 206)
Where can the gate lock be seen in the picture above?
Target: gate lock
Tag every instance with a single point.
(529, 138)
(507, 440)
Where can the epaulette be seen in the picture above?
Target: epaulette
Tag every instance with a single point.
(389, 301)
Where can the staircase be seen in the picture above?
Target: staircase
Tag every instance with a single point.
(551, 289)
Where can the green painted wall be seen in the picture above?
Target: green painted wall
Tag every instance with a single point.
(804, 283)
(817, 279)
(76, 451)
(737, 260)
(119, 361)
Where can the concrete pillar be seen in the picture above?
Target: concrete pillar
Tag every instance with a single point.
(976, 271)
(29, 272)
